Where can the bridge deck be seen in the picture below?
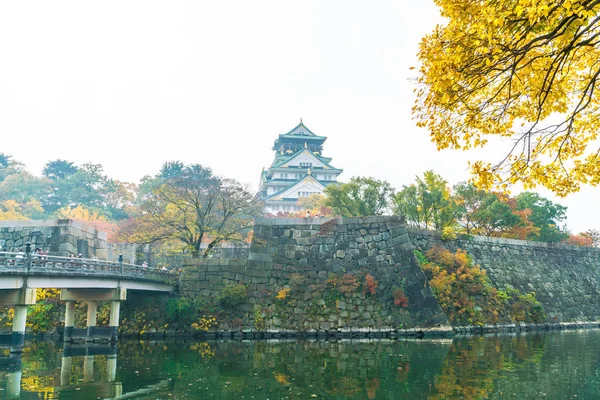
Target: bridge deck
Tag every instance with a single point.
(63, 272)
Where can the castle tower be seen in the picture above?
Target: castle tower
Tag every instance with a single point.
(298, 170)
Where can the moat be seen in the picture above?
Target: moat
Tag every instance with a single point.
(553, 365)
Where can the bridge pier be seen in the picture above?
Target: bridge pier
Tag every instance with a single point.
(88, 368)
(13, 385)
(115, 311)
(111, 367)
(92, 312)
(65, 370)
(69, 321)
(92, 296)
(19, 299)
(19, 324)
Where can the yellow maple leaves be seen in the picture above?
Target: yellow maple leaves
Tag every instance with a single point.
(524, 71)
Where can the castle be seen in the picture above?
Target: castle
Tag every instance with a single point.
(298, 170)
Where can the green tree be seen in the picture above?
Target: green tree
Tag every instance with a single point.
(427, 203)
(494, 216)
(22, 187)
(172, 169)
(491, 214)
(362, 196)
(88, 186)
(545, 215)
(9, 166)
(59, 169)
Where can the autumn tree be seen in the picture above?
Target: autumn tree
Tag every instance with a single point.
(316, 204)
(593, 236)
(194, 208)
(90, 217)
(523, 70)
(579, 240)
(362, 196)
(12, 210)
(490, 214)
(427, 203)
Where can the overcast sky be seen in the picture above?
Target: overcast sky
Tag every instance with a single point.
(131, 84)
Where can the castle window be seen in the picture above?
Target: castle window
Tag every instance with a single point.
(306, 164)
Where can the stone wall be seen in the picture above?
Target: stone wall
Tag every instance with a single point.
(59, 237)
(565, 279)
(324, 264)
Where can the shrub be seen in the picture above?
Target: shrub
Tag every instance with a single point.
(283, 294)
(467, 296)
(400, 298)
(205, 323)
(370, 284)
(347, 283)
(179, 309)
(296, 279)
(232, 295)
(259, 319)
(448, 233)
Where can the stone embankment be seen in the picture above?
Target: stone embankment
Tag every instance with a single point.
(323, 277)
(565, 279)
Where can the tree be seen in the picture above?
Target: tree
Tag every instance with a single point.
(492, 214)
(22, 187)
(495, 217)
(8, 166)
(87, 186)
(316, 204)
(469, 201)
(172, 169)
(427, 203)
(362, 196)
(59, 169)
(579, 240)
(593, 236)
(90, 217)
(546, 215)
(523, 70)
(196, 208)
(11, 210)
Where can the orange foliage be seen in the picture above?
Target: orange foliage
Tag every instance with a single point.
(372, 387)
(400, 298)
(370, 284)
(580, 240)
(456, 284)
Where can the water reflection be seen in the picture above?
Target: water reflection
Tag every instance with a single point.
(553, 365)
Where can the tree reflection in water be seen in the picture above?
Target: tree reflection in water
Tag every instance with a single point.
(560, 365)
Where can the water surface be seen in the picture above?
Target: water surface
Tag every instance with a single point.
(560, 365)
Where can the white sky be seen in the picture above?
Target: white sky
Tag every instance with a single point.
(131, 84)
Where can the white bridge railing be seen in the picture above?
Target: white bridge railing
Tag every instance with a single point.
(35, 264)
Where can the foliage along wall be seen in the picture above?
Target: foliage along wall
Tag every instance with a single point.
(563, 279)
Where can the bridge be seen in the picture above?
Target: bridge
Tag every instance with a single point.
(90, 280)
